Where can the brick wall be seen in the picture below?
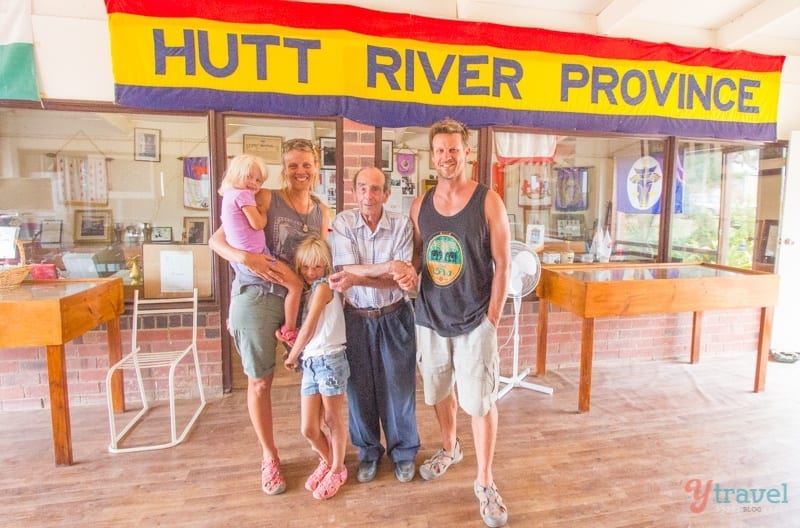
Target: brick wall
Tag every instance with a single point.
(23, 371)
(631, 338)
(359, 151)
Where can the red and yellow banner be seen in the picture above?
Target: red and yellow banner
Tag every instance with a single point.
(392, 70)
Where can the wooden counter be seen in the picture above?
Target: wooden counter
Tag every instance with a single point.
(602, 290)
(50, 313)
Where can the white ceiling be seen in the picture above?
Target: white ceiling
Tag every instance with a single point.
(763, 26)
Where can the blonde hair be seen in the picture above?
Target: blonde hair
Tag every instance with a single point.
(299, 145)
(313, 251)
(448, 126)
(239, 169)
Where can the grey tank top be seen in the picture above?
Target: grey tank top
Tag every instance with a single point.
(284, 231)
(457, 267)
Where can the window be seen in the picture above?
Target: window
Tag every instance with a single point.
(724, 201)
(597, 197)
(243, 131)
(90, 187)
(729, 193)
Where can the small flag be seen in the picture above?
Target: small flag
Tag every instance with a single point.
(17, 68)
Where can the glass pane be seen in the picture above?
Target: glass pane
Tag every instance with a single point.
(639, 167)
(410, 165)
(593, 198)
(88, 189)
(263, 136)
(725, 193)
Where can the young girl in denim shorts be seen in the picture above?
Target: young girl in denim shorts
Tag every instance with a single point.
(320, 350)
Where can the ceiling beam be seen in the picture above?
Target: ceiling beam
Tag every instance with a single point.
(754, 21)
(614, 14)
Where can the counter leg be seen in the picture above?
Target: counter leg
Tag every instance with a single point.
(59, 404)
(697, 333)
(541, 342)
(114, 355)
(587, 353)
(764, 336)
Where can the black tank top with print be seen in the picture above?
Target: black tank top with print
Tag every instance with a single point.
(457, 267)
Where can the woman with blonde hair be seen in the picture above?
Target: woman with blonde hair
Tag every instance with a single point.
(257, 308)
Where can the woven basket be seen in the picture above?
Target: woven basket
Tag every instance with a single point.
(13, 276)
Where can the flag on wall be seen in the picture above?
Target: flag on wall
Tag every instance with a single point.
(640, 184)
(17, 68)
(396, 70)
(196, 183)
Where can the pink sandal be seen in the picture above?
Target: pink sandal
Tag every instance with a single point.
(313, 481)
(330, 484)
(272, 481)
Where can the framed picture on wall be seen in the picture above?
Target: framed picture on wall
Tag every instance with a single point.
(572, 189)
(535, 186)
(387, 163)
(327, 152)
(534, 236)
(161, 234)
(93, 226)
(196, 228)
(267, 148)
(50, 234)
(146, 144)
(570, 227)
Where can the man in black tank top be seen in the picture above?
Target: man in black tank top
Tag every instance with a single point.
(461, 238)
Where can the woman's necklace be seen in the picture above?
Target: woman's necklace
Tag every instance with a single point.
(304, 218)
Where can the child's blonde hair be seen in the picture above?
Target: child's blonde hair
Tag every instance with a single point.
(313, 251)
(239, 170)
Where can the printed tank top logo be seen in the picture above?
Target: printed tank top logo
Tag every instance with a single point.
(444, 258)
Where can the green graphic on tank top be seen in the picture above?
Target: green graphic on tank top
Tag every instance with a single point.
(444, 258)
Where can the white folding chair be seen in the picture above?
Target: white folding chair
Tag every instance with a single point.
(138, 360)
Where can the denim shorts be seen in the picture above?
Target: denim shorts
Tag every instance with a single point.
(326, 375)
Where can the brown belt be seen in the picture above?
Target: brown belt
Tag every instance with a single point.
(375, 312)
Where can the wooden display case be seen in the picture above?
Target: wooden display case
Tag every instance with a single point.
(619, 289)
(50, 313)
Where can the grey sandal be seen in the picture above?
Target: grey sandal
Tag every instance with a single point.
(493, 512)
(436, 466)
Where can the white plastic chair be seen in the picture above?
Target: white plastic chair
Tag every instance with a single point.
(138, 360)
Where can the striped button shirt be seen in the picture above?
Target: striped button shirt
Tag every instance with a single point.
(355, 243)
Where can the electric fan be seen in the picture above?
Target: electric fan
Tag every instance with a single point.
(525, 273)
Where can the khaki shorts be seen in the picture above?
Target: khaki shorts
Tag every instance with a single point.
(471, 362)
(254, 316)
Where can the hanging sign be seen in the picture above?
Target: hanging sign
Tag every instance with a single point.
(406, 163)
(393, 70)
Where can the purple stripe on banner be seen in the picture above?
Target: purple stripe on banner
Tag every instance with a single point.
(394, 114)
